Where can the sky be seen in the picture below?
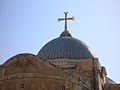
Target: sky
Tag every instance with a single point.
(27, 25)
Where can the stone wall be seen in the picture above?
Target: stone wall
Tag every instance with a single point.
(89, 68)
(28, 72)
(112, 87)
(41, 83)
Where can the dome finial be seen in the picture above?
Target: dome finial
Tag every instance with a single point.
(61, 19)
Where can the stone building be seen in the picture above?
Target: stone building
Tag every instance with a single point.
(64, 63)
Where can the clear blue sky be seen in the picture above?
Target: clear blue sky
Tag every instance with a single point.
(27, 25)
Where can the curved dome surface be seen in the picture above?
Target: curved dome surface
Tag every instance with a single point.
(65, 46)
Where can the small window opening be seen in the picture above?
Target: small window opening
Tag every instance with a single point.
(63, 87)
(22, 85)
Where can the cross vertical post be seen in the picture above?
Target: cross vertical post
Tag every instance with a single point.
(65, 19)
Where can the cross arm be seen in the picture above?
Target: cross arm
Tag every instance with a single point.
(62, 19)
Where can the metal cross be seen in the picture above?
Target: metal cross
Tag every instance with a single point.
(62, 19)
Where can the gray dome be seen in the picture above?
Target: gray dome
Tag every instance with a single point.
(65, 46)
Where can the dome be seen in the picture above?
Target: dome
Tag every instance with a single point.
(65, 46)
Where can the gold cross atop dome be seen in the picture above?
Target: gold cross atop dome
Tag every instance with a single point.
(62, 19)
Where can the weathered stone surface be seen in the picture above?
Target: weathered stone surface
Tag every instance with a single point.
(112, 87)
(28, 72)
